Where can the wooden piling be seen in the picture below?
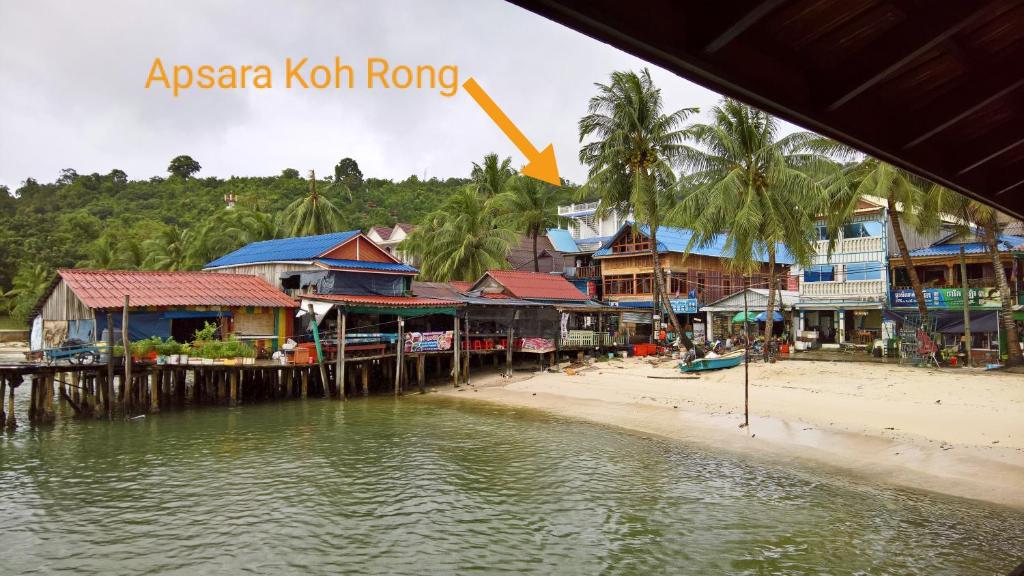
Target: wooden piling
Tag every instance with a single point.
(126, 342)
(234, 387)
(399, 349)
(456, 352)
(421, 373)
(305, 383)
(365, 373)
(3, 393)
(12, 420)
(340, 365)
(108, 389)
(155, 378)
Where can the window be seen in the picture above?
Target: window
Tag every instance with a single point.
(864, 271)
(645, 283)
(622, 284)
(821, 273)
(821, 232)
(866, 229)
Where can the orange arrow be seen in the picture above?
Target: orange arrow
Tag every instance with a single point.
(541, 165)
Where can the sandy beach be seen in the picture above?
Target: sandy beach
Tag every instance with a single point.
(958, 432)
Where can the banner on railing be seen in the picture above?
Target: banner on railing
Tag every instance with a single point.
(428, 341)
(947, 298)
(684, 305)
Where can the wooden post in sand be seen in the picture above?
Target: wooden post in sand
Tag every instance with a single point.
(746, 361)
(965, 290)
(456, 351)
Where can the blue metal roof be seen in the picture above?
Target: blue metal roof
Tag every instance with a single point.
(1006, 244)
(283, 250)
(361, 265)
(676, 240)
(562, 240)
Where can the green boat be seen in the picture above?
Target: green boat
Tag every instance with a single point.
(704, 364)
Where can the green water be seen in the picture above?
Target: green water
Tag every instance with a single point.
(431, 486)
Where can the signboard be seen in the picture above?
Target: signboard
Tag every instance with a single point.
(684, 305)
(428, 341)
(947, 298)
(698, 333)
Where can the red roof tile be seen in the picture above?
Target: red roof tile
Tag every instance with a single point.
(383, 231)
(107, 288)
(389, 301)
(537, 285)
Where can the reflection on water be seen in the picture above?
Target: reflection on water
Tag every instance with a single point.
(418, 487)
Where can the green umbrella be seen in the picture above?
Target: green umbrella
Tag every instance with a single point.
(738, 318)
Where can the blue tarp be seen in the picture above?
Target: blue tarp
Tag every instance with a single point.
(140, 325)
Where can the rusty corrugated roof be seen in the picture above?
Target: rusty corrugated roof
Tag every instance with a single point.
(536, 285)
(100, 289)
(389, 301)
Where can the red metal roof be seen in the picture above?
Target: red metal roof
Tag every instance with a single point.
(461, 286)
(389, 301)
(537, 285)
(107, 289)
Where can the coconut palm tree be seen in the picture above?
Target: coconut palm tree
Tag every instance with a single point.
(462, 240)
(760, 189)
(632, 146)
(532, 207)
(27, 287)
(102, 254)
(910, 200)
(988, 223)
(173, 248)
(493, 176)
(312, 214)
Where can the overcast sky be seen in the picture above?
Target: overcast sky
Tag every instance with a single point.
(72, 92)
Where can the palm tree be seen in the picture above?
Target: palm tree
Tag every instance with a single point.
(532, 207)
(312, 214)
(462, 240)
(909, 199)
(630, 160)
(27, 287)
(493, 176)
(990, 224)
(761, 190)
(102, 254)
(173, 248)
(131, 254)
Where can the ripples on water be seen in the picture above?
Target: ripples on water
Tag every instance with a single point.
(430, 487)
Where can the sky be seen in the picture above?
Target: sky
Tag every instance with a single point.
(73, 95)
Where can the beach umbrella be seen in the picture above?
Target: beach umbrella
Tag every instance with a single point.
(763, 316)
(738, 318)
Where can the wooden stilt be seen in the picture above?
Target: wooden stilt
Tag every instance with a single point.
(365, 373)
(340, 366)
(154, 390)
(421, 373)
(3, 394)
(305, 383)
(126, 394)
(108, 389)
(234, 387)
(456, 352)
(400, 348)
(12, 420)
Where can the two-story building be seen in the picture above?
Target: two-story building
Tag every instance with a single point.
(584, 234)
(389, 237)
(843, 293)
(938, 268)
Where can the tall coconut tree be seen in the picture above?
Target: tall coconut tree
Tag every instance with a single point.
(27, 287)
(312, 214)
(493, 176)
(102, 254)
(632, 146)
(761, 189)
(988, 224)
(462, 240)
(910, 200)
(532, 207)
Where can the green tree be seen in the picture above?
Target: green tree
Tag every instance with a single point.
(532, 207)
(171, 249)
(183, 167)
(312, 214)
(102, 254)
(348, 174)
(493, 176)
(634, 143)
(462, 240)
(909, 199)
(761, 190)
(29, 284)
(290, 174)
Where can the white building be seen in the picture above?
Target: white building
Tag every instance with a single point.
(389, 238)
(585, 225)
(842, 295)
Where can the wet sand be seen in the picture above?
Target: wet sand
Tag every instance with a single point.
(958, 432)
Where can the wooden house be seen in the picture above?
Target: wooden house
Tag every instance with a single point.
(78, 302)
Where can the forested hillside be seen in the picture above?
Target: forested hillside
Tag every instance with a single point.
(181, 221)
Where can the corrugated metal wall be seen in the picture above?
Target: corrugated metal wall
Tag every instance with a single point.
(271, 272)
(64, 305)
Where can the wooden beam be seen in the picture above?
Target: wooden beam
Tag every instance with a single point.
(741, 25)
(400, 348)
(126, 387)
(339, 368)
(924, 30)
